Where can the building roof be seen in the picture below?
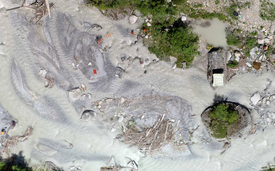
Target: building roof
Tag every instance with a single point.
(217, 80)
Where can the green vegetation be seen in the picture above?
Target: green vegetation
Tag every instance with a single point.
(269, 50)
(267, 11)
(17, 162)
(223, 118)
(250, 43)
(5, 167)
(168, 36)
(229, 10)
(233, 40)
(177, 41)
(254, 33)
(233, 64)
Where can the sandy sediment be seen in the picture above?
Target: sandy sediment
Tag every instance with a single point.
(63, 48)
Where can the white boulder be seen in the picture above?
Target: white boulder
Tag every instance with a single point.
(74, 94)
(260, 41)
(183, 18)
(133, 19)
(255, 98)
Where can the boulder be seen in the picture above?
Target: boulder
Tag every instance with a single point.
(183, 18)
(237, 56)
(260, 41)
(255, 98)
(133, 19)
(74, 94)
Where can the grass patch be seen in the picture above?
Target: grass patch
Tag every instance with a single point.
(254, 33)
(233, 64)
(232, 40)
(267, 11)
(250, 43)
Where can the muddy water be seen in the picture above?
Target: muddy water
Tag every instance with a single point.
(213, 31)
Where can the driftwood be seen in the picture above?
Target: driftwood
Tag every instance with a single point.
(12, 141)
(41, 9)
(117, 167)
(152, 138)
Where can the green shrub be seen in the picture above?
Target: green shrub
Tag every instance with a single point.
(222, 119)
(229, 10)
(254, 33)
(250, 43)
(233, 64)
(267, 11)
(233, 40)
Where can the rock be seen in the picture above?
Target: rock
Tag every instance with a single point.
(89, 96)
(133, 19)
(83, 87)
(29, 2)
(237, 56)
(267, 41)
(261, 41)
(183, 18)
(267, 102)
(113, 130)
(174, 66)
(264, 101)
(248, 64)
(83, 97)
(255, 98)
(226, 145)
(109, 100)
(120, 119)
(74, 94)
(228, 56)
(42, 73)
(122, 100)
(93, 26)
(119, 71)
(254, 52)
(75, 168)
(51, 166)
(271, 98)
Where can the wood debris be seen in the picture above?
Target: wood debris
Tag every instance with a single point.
(41, 10)
(49, 82)
(12, 141)
(152, 138)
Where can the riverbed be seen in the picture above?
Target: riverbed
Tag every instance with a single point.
(56, 119)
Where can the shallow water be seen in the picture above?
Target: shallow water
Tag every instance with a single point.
(213, 34)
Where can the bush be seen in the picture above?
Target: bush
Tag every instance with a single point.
(250, 43)
(230, 10)
(254, 33)
(233, 64)
(222, 119)
(232, 40)
(267, 11)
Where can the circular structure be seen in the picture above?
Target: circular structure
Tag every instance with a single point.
(225, 119)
